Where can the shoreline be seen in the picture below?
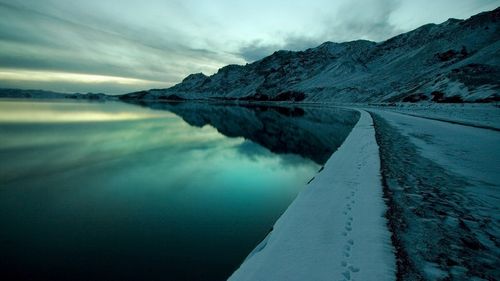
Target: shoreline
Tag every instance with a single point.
(336, 227)
(282, 255)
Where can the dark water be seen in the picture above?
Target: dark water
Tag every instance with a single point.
(112, 191)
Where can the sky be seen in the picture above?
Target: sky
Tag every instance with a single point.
(120, 46)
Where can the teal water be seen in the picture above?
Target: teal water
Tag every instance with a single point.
(113, 191)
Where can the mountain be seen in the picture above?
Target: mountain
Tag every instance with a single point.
(455, 61)
(41, 94)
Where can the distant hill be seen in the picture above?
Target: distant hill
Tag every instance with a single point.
(40, 94)
(455, 61)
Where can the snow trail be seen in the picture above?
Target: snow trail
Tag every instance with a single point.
(335, 229)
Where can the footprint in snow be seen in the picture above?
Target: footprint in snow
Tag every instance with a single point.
(353, 269)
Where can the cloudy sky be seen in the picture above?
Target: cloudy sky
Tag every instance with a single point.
(118, 46)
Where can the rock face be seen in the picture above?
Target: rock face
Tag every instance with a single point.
(458, 59)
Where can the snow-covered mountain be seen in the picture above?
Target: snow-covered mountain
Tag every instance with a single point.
(448, 62)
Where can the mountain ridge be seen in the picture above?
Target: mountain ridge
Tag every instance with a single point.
(455, 61)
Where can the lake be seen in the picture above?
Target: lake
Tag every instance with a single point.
(150, 191)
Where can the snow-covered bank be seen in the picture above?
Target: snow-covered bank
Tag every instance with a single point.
(477, 115)
(335, 229)
(443, 182)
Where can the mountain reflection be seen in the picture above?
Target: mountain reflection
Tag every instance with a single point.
(310, 132)
(153, 196)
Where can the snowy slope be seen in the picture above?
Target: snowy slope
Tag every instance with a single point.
(453, 61)
(335, 229)
(442, 183)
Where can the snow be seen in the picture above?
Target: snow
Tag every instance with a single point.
(477, 115)
(465, 150)
(441, 200)
(443, 181)
(335, 229)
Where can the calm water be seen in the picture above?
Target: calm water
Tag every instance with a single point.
(114, 191)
